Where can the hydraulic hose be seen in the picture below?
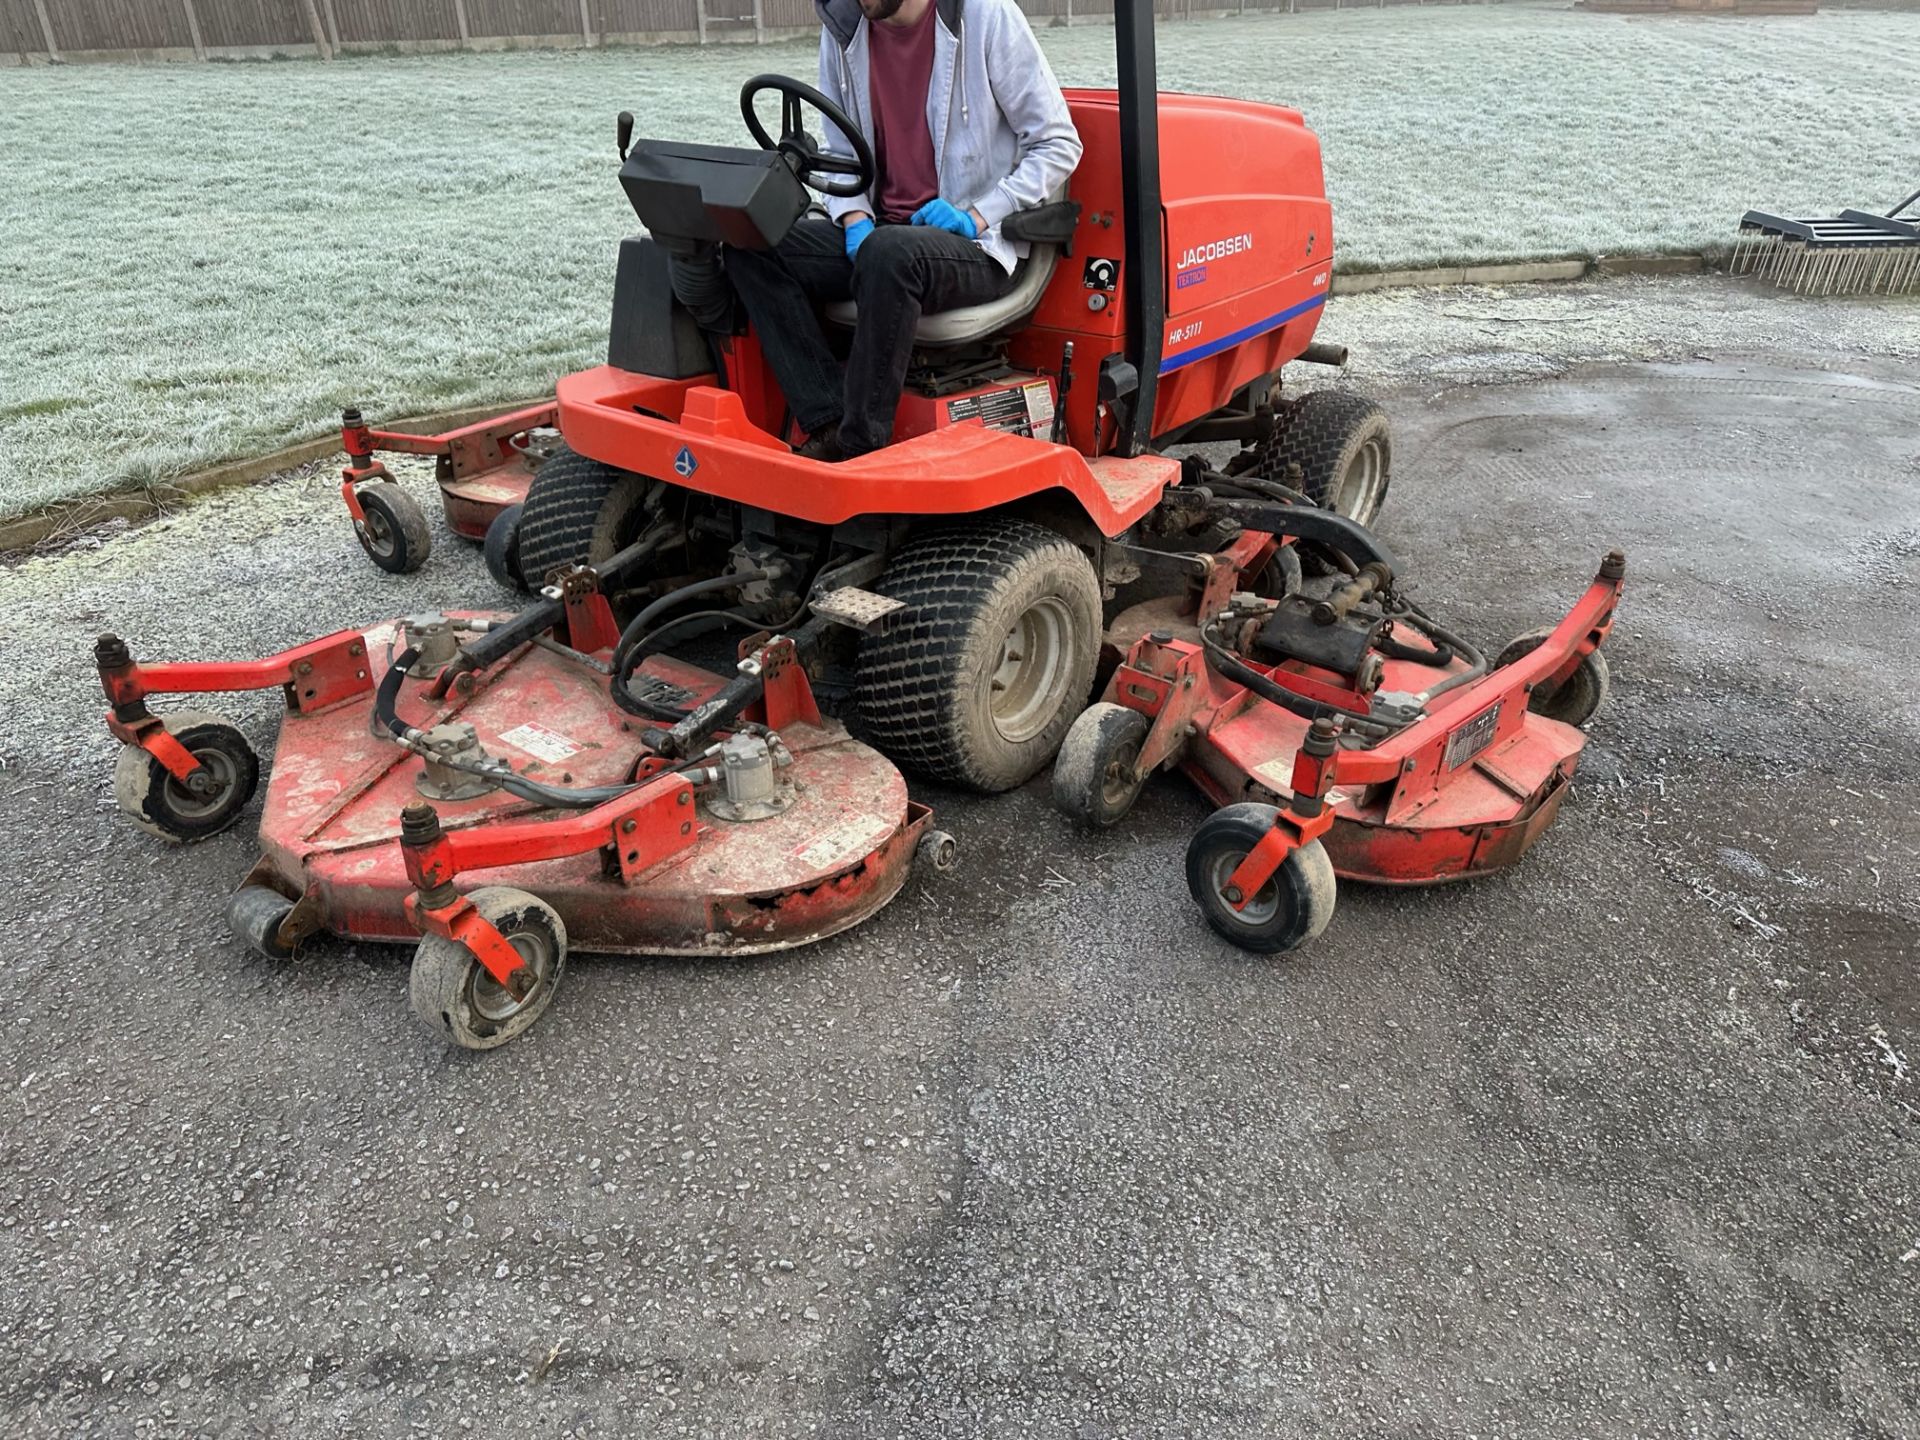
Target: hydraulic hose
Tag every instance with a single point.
(637, 626)
(498, 771)
(1237, 670)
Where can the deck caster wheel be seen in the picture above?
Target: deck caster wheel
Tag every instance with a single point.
(455, 994)
(1575, 700)
(1291, 908)
(937, 853)
(162, 805)
(395, 535)
(502, 549)
(255, 914)
(1096, 777)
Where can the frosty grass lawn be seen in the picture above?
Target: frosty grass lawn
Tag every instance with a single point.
(199, 262)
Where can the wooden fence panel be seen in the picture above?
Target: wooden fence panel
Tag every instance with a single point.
(523, 17)
(119, 24)
(373, 22)
(93, 26)
(20, 29)
(645, 17)
(251, 23)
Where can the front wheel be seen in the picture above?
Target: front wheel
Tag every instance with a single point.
(394, 534)
(977, 680)
(1292, 908)
(456, 995)
(185, 811)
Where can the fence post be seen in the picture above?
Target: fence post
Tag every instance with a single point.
(586, 25)
(759, 23)
(700, 18)
(460, 19)
(333, 24)
(46, 30)
(319, 35)
(193, 30)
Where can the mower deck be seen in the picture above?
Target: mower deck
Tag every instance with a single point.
(332, 819)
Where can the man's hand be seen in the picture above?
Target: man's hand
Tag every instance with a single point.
(942, 216)
(858, 226)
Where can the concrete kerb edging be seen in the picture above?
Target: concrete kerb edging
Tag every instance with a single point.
(1524, 272)
(32, 530)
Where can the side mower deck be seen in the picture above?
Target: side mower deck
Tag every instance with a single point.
(503, 763)
(332, 819)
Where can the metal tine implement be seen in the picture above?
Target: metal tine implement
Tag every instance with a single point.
(1855, 253)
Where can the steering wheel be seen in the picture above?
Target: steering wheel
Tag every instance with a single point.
(811, 164)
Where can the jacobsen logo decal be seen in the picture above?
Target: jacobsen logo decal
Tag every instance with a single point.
(1216, 250)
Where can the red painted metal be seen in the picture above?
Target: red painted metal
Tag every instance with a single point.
(1399, 812)
(1249, 257)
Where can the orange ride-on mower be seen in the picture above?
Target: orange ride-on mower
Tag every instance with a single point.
(483, 471)
(466, 782)
(1343, 732)
(1029, 469)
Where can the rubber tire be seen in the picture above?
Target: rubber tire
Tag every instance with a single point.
(577, 512)
(1322, 432)
(923, 681)
(440, 984)
(1306, 889)
(409, 541)
(151, 798)
(1579, 697)
(502, 548)
(254, 914)
(1105, 736)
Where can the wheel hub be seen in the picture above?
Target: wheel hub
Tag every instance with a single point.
(1031, 669)
(499, 1003)
(1360, 485)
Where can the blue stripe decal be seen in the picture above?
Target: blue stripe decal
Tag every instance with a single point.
(1227, 342)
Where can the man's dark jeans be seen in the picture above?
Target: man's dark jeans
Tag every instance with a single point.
(902, 272)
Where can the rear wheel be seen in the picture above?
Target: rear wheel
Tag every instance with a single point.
(1096, 777)
(455, 994)
(394, 533)
(502, 549)
(161, 804)
(1290, 909)
(578, 512)
(1576, 699)
(977, 680)
(1343, 446)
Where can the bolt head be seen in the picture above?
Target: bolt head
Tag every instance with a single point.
(1232, 894)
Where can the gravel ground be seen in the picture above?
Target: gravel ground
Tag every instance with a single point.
(224, 255)
(1619, 1144)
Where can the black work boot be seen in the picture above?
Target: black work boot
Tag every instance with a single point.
(823, 444)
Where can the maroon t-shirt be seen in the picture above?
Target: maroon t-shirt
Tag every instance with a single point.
(900, 69)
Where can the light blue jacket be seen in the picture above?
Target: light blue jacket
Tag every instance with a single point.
(1002, 138)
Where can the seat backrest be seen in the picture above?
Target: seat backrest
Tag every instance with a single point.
(1046, 229)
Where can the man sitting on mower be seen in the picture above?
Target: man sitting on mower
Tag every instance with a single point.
(927, 236)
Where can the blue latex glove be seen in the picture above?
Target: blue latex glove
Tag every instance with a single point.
(857, 232)
(942, 216)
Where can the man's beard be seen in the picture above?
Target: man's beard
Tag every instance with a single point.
(881, 9)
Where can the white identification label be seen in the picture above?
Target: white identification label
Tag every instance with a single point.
(541, 743)
(1039, 407)
(849, 840)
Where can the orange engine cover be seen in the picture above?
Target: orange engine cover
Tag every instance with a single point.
(1248, 238)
